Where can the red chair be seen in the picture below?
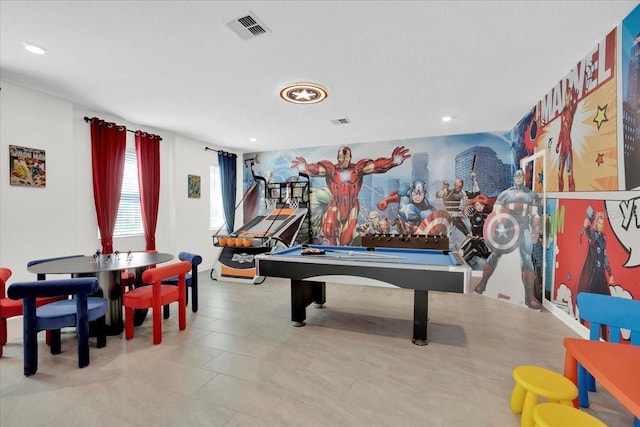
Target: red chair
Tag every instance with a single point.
(11, 308)
(128, 277)
(156, 296)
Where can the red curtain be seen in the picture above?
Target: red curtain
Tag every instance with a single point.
(108, 147)
(148, 155)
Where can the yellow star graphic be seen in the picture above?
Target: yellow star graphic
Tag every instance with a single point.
(601, 116)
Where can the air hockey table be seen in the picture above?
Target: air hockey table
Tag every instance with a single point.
(309, 267)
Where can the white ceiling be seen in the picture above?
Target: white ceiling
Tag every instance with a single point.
(393, 68)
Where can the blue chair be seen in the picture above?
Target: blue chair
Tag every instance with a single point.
(191, 278)
(40, 261)
(604, 311)
(42, 276)
(76, 312)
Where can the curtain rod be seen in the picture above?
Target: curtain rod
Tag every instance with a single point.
(225, 153)
(87, 119)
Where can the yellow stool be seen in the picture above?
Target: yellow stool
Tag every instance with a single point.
(533, 382)
(557, 415)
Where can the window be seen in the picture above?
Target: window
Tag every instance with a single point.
(129, 220)
(216, 215)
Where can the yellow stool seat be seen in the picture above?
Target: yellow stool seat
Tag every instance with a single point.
(557, 415)
(533, 382)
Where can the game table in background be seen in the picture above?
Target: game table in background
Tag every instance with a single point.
(419, 269)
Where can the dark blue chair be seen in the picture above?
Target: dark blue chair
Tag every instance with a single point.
(76, 312)
(621, 316)
(191, 278)
(40, 261)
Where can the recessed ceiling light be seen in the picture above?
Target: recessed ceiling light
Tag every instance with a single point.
(447, 118)
(34, 49)
(252, 139)
(303, 93)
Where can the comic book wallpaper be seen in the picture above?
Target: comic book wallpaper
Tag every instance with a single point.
(593, 246)
(576, 124)
(630, 54)
(433, 185)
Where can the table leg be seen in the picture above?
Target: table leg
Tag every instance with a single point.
(304, 293)
(571, 372)
(112, 291)
(420, 312)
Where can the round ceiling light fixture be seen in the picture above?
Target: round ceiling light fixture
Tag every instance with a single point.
(303, 93)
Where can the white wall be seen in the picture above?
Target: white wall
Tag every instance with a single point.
(60, 219)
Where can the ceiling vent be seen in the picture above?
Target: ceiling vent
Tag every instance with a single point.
(248, 27)
(341, 121)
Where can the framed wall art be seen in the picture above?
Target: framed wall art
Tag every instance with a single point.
(194, 186)
(27, 166)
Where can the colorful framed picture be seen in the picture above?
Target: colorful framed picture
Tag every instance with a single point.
(194, 186)
(27, 166)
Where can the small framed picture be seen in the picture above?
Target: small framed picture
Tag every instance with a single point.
(27, 166)
(193, 186)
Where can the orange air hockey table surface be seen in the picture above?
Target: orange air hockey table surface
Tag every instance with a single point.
(278, 229)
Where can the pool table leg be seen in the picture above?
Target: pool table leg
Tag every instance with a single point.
(420, 310)
(303, 293)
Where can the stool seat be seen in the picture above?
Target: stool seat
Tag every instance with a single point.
(534, 382)
(556, 415)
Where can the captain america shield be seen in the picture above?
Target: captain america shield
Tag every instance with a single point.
(501, 232)
(438, 223)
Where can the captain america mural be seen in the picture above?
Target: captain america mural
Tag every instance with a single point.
(416, 215)
(513, 225)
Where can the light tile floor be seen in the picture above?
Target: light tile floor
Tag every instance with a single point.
(241, 363)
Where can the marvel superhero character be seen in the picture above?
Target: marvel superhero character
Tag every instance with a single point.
(456, 198)
(514, 223)
(414, 207)
(564, 146)
(344, 181)
(477, 211)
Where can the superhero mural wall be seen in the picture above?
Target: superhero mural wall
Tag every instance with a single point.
(576, 124)
(436, 185)
(630, 34)
(592, 246)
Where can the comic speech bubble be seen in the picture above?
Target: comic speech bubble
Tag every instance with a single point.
(625, 222)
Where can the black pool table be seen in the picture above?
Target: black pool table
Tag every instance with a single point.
(423, 270)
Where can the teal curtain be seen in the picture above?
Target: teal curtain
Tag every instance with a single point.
(227, 164)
